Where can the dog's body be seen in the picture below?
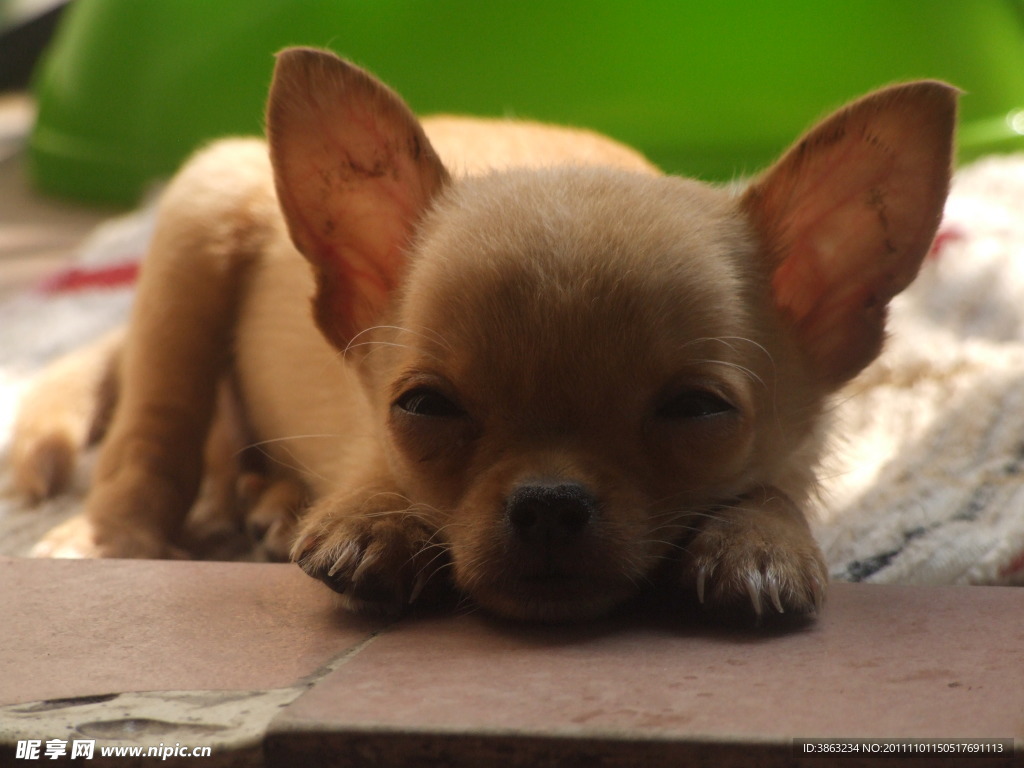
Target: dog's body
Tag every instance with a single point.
(554, 379)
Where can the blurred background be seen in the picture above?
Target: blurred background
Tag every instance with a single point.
(125, 89)
(101, 99)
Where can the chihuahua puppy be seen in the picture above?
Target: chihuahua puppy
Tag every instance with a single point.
(535, 368)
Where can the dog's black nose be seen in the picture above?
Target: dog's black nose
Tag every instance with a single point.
(549, 514)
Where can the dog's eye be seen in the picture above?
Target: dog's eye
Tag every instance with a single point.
(694, 404)
(423, 401)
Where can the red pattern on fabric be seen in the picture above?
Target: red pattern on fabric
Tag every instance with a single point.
(1014, 566)
(79, 278)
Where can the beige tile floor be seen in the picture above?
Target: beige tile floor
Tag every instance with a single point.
(258, 662)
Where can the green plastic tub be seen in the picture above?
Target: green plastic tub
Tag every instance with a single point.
(713, 89)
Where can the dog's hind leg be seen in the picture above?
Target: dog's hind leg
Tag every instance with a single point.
(66, 408)
(244, 505)
(214, 220)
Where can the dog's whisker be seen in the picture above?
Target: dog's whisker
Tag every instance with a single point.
(710, 512)
(354, 342)
(429, 570)
(430, 333)
(426, 333)
(401, 498)
(354, 345)
(466, 606)
(727, 341)
(291, 438)
(662, 542)
(741, 368)
(296, 466)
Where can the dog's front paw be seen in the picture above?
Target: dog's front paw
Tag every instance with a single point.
(379, 562)
(757, 555)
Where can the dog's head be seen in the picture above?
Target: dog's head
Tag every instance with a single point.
(572, 365)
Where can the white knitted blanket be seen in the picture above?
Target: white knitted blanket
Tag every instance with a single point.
(926, 483)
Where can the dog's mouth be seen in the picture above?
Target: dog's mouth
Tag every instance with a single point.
(553, 554)
(550, 595)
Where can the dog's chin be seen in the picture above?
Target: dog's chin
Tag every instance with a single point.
(549, 599)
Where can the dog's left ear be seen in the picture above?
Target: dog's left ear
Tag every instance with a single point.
(847, 215)
(354, 173)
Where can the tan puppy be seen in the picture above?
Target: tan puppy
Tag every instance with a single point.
(543, 372)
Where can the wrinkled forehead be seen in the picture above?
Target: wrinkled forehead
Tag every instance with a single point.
(584, 273)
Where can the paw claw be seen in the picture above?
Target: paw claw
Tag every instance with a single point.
(376, 563)
(348, 554)
(368, 564)
(754, 593)
(773, 594)
(417, 587)
(702, 574)
(760, 557)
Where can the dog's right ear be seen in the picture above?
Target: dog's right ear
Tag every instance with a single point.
(847, 215)
(354, 173)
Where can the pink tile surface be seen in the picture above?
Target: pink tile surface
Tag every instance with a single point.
(79, 628)
(882, 661)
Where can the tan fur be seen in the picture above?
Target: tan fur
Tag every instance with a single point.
(543, 372)
(64, 410)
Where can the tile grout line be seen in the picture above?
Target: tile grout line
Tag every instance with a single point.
(232, 723)
(309, 681)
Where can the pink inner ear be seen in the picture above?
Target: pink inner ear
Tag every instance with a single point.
(354, 173)
(848, 214)
(356, 230)
(818, 270)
